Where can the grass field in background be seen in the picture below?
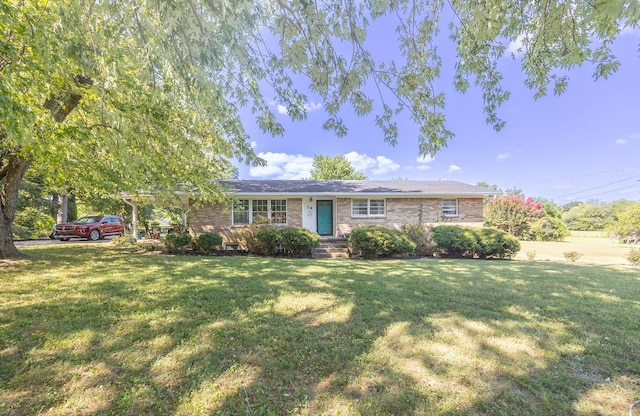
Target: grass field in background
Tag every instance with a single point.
(593, 245)
(98, 330)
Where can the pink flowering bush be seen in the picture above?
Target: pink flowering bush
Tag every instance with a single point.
(513, 214)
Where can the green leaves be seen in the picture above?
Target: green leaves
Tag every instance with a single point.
(168, 79)
(334, 168)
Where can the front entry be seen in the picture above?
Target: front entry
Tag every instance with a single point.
(324, 210)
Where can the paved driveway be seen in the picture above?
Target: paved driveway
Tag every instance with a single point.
(49, 241)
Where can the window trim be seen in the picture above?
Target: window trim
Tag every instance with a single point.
(250, 211)
(369, 214)
(449, 215)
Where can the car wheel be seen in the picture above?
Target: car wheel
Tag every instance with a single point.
(64, 239)
(94, 235)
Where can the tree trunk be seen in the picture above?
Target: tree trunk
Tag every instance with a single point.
(63, 210)
(12, 170)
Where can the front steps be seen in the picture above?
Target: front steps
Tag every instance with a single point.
(331, 248)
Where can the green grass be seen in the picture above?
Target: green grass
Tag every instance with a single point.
(594, 247)
(96, 330)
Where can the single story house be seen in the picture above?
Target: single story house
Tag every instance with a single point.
(334, 208)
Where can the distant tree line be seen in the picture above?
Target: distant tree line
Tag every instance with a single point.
(544, 220)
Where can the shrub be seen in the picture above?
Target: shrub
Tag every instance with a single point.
(176, 243)
(207, 243)
(496, 244)
(512, 213)
(547, 229)
(257, 240)
(572, 256)
(267, 239)
(31, 223)
(531, 255)
(263, 240)
(456, 241)
(298, 241)
(422, 237)
(375, 241)
(634, 256)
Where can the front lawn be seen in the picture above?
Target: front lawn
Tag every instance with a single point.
(95, 329)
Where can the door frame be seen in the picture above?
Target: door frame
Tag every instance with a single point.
(318, 216)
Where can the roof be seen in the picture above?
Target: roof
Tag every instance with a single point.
(346, 188)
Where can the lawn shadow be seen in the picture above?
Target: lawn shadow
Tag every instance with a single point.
(279, 336)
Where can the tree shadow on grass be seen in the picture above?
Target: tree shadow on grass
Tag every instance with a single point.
(278, 336)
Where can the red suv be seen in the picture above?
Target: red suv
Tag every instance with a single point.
(92, 227)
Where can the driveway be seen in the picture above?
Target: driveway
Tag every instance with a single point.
(23, 243)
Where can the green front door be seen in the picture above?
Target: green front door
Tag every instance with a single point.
(325, 217)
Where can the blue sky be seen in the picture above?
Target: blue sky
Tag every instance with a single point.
(582, 145)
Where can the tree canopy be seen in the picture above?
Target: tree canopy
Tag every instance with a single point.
(334, 168)
(146, 94)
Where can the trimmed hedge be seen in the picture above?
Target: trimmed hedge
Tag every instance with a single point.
(297, 241)
(375, 241)
(263, 240)
(457, 241)
(176, 243)
(207, 243)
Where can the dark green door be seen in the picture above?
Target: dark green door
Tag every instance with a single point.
(325, 217)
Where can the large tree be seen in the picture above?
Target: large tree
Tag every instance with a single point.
(334, 168)
(145, 94)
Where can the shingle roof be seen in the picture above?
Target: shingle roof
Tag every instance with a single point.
(368, 187)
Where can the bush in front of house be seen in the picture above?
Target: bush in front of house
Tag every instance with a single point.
(297, 241)
(176, 243)
(421, 236)
(375, 241)
(207, 243)
(457, 241)
(496, 244)
(264, 240)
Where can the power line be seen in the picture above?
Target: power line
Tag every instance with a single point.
(575, 176)
(598, 187)
(608, 191)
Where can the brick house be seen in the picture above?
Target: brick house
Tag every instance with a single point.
(334, 208)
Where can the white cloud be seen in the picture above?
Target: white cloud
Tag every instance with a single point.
(423, 163)
(385, 165)
(516, 47)
(454, 168)
(281, 109)
(378, 165)
(310, 107)
(282, 166)
(253, 144)
(504, 155)
(630, 138)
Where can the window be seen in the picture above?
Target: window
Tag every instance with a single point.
(241, 212)
(449, 207)
(259, 208)
(246, 211)
(359, 207)
(279, 211)
(367, 208)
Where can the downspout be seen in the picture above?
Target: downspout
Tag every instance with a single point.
(134, 218)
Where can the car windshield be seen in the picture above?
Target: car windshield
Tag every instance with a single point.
(86, 220)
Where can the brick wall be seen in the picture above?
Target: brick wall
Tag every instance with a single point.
(402, 211)
(216, 218)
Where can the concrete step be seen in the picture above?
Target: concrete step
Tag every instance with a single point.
(331, 248)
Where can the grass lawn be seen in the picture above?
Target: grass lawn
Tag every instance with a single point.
(92, 329)
(592, 245)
